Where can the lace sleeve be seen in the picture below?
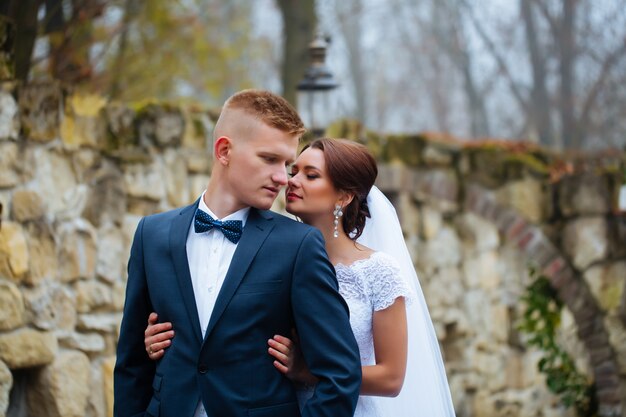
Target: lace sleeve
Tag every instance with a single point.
(387, 283)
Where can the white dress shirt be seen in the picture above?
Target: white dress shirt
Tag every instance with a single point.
(209, 255)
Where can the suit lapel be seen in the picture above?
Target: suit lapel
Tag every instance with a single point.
(178, 245)
(258, 226)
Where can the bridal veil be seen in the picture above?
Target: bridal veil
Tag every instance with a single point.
(425, 392)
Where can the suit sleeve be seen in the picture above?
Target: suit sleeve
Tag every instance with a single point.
(134, 371)
(322, 321)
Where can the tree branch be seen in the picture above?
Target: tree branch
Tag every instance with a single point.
(596, 88)
(504, 69)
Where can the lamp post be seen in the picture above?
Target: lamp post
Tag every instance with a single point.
(315, 103)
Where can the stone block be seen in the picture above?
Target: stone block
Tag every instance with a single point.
(160, 125)
(408, 213)
(526, 196)
(198, 131)
(5, 202)
(27, 348)
(119, 119)
(85, 342)
(438, 187)
(112, 253)
(14, 255)
(107, 372)
(431, 222)
(482, 271)
(617, 337)
(392, 177)
(9, 118)
(40, 106)
(445, 289)
(61, 389)
(6, 383)
(175, 178)
(96, 402)
(432, 155)
(54, 180)
(142, 207)
(91, 294)
(585, 240)
(43, 264)
(441, 251)
(51, 306)
(199, 163)
(100, 322)
(477, 234)
(145, 180)
(27, 205)
(106, 201)
(86, 161)
(584, 195)
(82, 124)
(12, 310)
(9, 164)
(78, 255)
(197, 184)
(119, 295)
(606, 283)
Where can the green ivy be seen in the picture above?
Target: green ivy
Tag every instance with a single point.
(540, 322)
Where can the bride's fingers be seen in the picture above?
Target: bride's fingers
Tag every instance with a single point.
(157, 347)
(157, 355)
(153, 318)
(284, 341)
(282, 368)
(154, 329)
(282, 344)
(282, 358)
(160, 337)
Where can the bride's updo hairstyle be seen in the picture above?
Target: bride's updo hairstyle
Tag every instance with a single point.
(351, 168)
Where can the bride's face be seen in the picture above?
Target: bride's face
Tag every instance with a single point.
(310, 193)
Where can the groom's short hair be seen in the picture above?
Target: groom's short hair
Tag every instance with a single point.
(269, 108)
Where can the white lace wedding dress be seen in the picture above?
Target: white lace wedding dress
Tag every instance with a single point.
(368, 285)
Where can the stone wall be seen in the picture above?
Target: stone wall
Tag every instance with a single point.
(77, 173)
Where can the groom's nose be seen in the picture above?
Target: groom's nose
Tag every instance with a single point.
(280, 176)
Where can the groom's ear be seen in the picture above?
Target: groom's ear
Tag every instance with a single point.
(221, 150)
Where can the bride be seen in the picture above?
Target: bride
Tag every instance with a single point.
(331, 188)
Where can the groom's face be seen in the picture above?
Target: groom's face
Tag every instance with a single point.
(257, 168)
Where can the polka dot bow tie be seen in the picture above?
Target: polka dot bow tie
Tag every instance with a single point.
(232, 229)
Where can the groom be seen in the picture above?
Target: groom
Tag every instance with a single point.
(229, 275)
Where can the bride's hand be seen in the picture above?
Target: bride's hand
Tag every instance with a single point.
(289, 359)
(157, 337)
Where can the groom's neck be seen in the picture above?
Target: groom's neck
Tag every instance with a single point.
(221, 202)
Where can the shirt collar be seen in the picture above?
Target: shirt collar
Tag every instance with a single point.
(241, 214)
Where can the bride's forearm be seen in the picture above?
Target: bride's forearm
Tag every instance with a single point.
(381, 381)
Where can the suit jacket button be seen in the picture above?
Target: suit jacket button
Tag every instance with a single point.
(202, 368)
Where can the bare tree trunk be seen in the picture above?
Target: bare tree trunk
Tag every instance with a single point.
(350, 23)
(130, 10)
(24, 15)
(299, 19)
(454, 44)
(540, 107)
(567, 47)
(69, 58)
(7, 38)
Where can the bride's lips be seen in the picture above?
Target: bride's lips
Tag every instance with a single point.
(291, 196)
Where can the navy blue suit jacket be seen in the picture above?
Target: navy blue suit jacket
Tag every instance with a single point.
(279, 278)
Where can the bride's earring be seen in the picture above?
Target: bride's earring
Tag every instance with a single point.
(338, 213)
